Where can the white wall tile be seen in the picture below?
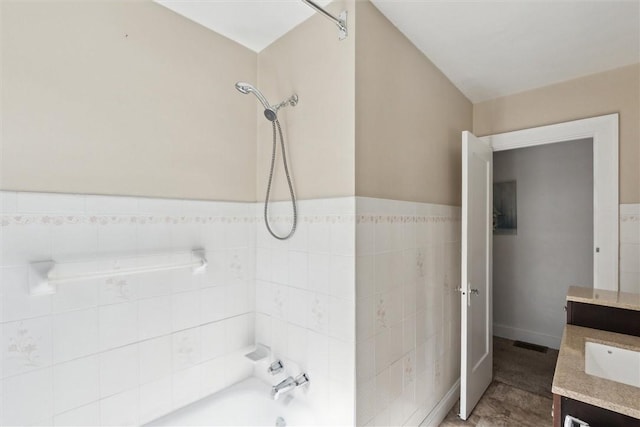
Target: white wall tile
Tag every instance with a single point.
(8, 202)
(154, 284)
(75, 334)
(87, 415)
(365, 360)
(297, 344)
(110, 205)
(237, 300)
(279, 266)
(343, 237)
(319, 267)
(213, 375)
(186, 348)
(341, 359)
(120, 409)
(117, 238)
(298, 268)
(155, 399)
(118, 325)
(76, 383)
(155, 358)
(630, 258)
(319, 313)
(154, 237)
(119, 370)
(240, 332)
(365, 276)
(212, 304)
(140, 309)
(186, 236)
(297, 311)
(74, 240)
(629, 231)
(342, 277)
(263, 329)
(342, 319)
(154, 317)
(630, 282)
(27, 345)
(117, 289)
(26, 243)
(75, 295)
(27, 398)
(319, 237)
(16, 301)
(300, 239)
(50, 203)
(186, 386)
(213, 337)
(365, 318)
(238, 367)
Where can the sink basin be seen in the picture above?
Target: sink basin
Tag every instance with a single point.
(612, 363)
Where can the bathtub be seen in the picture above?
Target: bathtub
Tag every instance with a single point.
(247, 403)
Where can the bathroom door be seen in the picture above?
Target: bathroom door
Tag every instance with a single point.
(475, 288)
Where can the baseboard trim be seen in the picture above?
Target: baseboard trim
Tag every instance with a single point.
(439, 413)
(509, 332)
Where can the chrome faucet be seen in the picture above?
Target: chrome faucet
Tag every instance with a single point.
(282, 387)
(276, 367)
(288, 384)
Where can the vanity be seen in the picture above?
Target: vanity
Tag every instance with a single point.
(597, 376)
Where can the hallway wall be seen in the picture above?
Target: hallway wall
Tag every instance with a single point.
(552, 249)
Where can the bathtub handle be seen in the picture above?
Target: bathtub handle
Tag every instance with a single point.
(276, 367)
(302, 379)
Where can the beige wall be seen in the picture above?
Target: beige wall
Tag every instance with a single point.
(88, 109)
(615, 91)
(409, 118)
(319, 132)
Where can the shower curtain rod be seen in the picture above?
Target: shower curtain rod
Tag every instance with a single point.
(340, 21)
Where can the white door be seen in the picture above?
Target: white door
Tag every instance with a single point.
(475, 288)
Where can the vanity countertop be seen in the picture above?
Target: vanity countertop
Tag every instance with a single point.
(603, 297)
(571, 380)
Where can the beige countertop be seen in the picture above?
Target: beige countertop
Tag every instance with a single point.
(571, 380)
(624, 300)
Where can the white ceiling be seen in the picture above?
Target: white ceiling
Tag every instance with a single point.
(496, 48)
(488, 48)
(252, 23)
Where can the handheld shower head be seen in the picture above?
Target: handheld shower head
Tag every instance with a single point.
(269, 111)
(243, 87)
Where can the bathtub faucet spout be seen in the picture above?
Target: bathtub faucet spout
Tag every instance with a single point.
(288, 384)
(282, 387)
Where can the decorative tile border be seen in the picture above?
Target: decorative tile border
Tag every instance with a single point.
(416, 219)
(8, 220)
(57, 220)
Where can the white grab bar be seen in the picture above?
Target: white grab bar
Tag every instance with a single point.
(45, 275)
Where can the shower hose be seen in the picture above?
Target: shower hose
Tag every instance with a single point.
(286, 171)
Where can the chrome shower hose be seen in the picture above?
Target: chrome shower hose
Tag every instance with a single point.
(286, 171)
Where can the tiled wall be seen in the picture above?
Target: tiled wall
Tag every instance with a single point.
(305, 304)
(407, 312)
(630, 248)
(126, 350)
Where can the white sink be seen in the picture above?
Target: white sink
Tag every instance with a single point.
(612, 363)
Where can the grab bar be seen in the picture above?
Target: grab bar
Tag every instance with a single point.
(45, 275)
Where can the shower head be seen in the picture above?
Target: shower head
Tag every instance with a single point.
(269, 111)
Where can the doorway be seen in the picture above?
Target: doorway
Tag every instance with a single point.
(476, 373)
(542, 237)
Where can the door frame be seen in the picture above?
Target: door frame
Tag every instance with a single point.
(603, 130)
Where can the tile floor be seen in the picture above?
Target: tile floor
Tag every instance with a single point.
(520, 393)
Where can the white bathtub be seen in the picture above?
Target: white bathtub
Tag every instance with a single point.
(247, 403)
